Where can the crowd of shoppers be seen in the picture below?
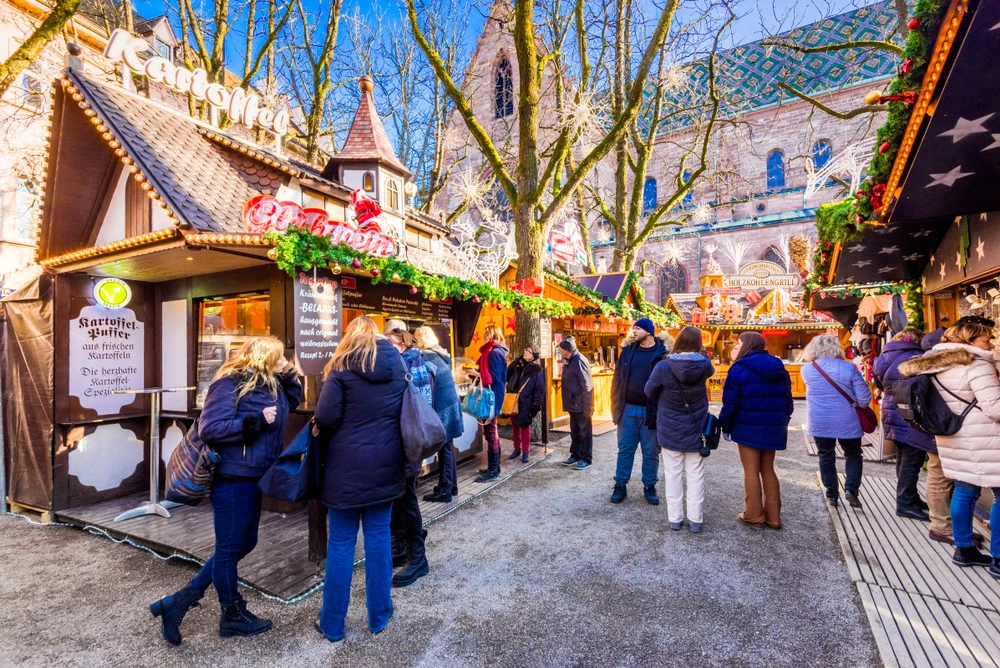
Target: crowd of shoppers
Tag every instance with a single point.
(659, 404)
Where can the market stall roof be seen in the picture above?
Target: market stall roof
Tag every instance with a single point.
(683, 305)
(949, 161)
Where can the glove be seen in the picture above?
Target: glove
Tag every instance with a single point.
(535, 410)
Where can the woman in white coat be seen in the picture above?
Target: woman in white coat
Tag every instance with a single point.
(963, 365)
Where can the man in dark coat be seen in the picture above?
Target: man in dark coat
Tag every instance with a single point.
(578, 401)
(628, 410)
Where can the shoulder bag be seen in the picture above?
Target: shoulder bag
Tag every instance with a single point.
(480, 402)
(190, 469)
(711, 429)
(421, 429)
(510, 401)
(295, 475)
(866, 416)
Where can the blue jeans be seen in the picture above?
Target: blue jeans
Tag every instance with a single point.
(340, 567)
(632, 431)
(236, 510)
(963, 505)
(853, 465)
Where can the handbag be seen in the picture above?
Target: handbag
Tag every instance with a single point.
(479, 402)
(711, 428)
(866, 416)
(421, 428)
(190, 469)
(294, 476)
(511, 399)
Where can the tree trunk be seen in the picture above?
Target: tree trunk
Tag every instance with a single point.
(32, 47)
(529, 240)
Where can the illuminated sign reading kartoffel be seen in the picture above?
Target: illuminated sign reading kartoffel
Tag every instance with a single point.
(264, 213)
(241, 106)
(761, 275)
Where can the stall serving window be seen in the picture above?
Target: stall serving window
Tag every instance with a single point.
(224, 324)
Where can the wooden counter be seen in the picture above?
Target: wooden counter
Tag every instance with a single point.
(716, 382)
(602, 398)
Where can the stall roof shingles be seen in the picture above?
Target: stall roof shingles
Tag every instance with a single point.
(206, 184)
(367, 139)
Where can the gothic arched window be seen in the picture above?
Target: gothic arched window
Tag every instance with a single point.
(503, 89)
(822, 152)
(776, 169)
(673, 280)
(772, 255)
(649, 195)
(368, 182)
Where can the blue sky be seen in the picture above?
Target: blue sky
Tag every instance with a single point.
(757, 18)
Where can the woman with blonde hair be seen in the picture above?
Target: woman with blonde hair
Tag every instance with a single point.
(243, 421)
(493, 374)
(965, 373)
(448, 406)
(832, 418)
(364, 470)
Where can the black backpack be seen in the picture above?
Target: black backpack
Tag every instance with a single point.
(922, 407)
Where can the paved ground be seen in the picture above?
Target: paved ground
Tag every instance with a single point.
(540, 572)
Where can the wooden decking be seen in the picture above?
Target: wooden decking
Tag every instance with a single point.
(600, 427)
(280, 566)
(923, 610)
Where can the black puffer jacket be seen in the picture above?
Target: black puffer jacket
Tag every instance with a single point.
(679, 377)
(529, 379)
(577, 386)
(359, 414)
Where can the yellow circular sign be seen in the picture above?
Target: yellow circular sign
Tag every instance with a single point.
(112, 293)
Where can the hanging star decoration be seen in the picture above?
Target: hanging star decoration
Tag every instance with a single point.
(512, 323)
(943, 271)
(995, 144)
(949, 178)
(981, 248)
(476, 338)
(889, 250)
(963, 128)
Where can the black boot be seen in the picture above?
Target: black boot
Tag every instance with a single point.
(493, 470)
(238, 621)
(416, 567)
(515, 454)
(171, 609)
(399, 549)
(438, 497)
(651, 497)
(970, 556)
(620, 493)
(524, 456)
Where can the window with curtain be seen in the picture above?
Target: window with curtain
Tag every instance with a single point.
(649, 195)
(776, 169)
(822, 152)
(689, 197)
(503, 89)
(393, 195)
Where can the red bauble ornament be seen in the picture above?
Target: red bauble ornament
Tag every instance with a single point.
(475, 300)
(827, 244)
(356, 264)
(413, 290)
(913, 24)
(822, 295)
(824, 256)
(906, 65)
(860, 220)
(374, 272)
(883, 147)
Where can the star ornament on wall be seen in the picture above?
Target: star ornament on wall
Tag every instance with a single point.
(943, 271)
(862, 263)
(886, 270)
(949, 178)
(913, 258)
(889, 250)
(856, 249)
(958, 261)
(980, 248)
(512, 323)
(963, 128)
(995, 144)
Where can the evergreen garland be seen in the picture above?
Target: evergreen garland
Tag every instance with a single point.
(617, 308)
(298, 249)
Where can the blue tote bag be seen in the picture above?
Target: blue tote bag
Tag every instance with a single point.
(295, 474)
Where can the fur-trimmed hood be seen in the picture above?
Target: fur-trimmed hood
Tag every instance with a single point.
(664, 338)
(942, 357)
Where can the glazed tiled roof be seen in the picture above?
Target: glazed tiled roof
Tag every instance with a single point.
(367, 139)
(205, 183)
(747, 74)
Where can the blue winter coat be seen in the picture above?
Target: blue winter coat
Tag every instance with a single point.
(680, 376)
(829, 414)
(577, 386)
(526, 377)
(757, 402)
(885, 372)
(619, 383)
(246, 443)
(358, 412)
(497, 362)
(447, 403)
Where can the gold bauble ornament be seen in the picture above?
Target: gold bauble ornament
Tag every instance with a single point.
(873, 97)
(395, 277)
(337, 269)
(272, 254)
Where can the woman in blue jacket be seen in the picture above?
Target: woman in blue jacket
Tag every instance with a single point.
(243, 421)
(448, 406)
(756, 407)
(364, 470)
(832, 418)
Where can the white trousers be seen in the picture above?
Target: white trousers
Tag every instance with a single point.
(692, 463)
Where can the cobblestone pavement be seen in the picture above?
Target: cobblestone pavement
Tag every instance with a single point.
(542, 571)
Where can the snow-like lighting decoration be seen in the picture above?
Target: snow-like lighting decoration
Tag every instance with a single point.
(849, 164)
(736, 249)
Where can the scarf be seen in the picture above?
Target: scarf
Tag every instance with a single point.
(484, 363)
